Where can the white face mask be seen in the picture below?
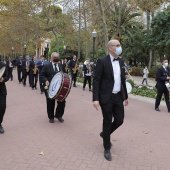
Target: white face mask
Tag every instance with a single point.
(166, 64)
(118, 50)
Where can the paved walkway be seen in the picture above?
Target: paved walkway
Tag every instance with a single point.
(32, 143)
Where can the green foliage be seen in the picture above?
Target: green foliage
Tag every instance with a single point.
(153, 71)
(137, 71)
(131, 82)
(159, 38)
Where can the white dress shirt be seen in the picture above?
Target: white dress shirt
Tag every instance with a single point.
(54, 66)
(117, 75)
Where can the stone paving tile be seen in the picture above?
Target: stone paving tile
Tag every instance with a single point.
(142, 143)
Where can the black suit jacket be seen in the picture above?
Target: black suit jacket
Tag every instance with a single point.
(48, 72)
(18, 63)
(5, 76)
(103, 81)
(72, 64)
(161, 78)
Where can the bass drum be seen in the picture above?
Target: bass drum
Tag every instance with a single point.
(128, 87)
(60, 86)
(2, 70)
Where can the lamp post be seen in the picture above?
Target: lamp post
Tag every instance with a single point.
(25, 49)
(12, 49)
(47, 42)
(94, 34)
(64, 47)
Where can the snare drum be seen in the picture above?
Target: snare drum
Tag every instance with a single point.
(60, 86)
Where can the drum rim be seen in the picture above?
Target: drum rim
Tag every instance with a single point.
(68, 88)
(62, 86)
(129, 86)
(3, 71)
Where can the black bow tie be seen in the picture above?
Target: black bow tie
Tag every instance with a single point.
(116, 59)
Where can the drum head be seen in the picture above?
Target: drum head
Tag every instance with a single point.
(2, 70)
(55, 85)
(128, 87)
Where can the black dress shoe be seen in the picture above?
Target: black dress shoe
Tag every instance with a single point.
(51, 120)
(101, 135)
(60, 119)
(1, 129)
(107, 155)
(157, 109)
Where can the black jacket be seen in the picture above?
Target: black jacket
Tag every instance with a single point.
(5, 76)
(103, 81)
(48, 72)
(18, 63)
(161, 78)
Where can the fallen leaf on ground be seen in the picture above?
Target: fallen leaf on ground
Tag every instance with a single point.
(145, 132)
(41, 153)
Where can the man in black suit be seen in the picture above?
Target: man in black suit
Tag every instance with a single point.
(65, 66)
(40, 66)
(26, 70)
(162, 77)
(73, 66)
(10, 66)
(109, 90)
(3, 93)
(19, 69)
(46, 75)
(33, 73)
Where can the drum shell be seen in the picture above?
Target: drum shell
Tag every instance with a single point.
(64, 88)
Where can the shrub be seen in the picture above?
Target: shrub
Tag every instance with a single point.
(131, 82)
(137, 71)
(153, 70)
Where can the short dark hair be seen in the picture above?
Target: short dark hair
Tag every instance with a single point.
(163, 59)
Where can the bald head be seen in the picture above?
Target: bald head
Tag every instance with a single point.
(114, 48)
(113, 43)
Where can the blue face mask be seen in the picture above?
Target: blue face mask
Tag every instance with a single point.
(118, 50)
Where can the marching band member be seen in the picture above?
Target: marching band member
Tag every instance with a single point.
(33, 73)
(19, 69)
(3, 94)
(65, 66)
(87, 69)
(73, 65)
(40, 66)
(47, 73)
(26, 70)
(10, 67)
(162, 77)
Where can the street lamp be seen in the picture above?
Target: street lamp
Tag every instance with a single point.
(64, 47)
(12, 52)
(94, 34)
(25, 49)
(47, 42)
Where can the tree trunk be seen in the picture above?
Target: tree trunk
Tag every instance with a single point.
(101, 7)
(85, 26)
(79, 33)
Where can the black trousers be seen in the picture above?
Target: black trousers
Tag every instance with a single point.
(25, 74)
(41, 84)
(113, 109)
(74, 77)
(2, 106)
(33, 80)
(20, 74)
(87, 78)
(10, 75)
(145, 79)
(159, 96)
(59, 112)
